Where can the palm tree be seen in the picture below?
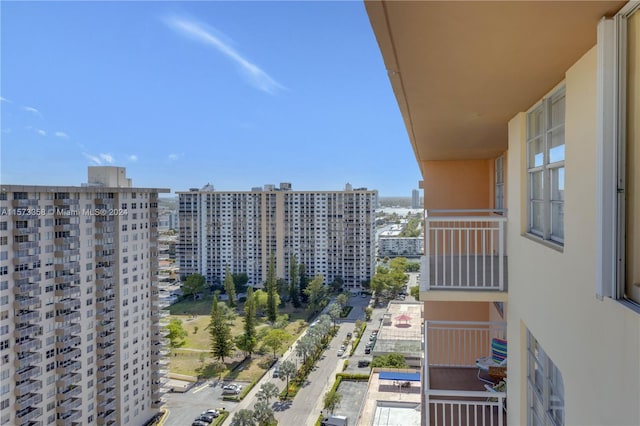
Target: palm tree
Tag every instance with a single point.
(243, 417)
(263, 414)
(287, 369)
(267, 391)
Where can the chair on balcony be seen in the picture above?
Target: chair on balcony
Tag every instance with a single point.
(497, 361)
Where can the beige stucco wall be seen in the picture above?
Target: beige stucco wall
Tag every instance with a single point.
(595, 344)
(456, 311)
(465, 184)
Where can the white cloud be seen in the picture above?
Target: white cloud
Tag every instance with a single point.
(62, 135)
(5, 100)
(41, 132)
(173, 157)
(257, 77)
(133, 158)
(107, 158)
(7, 130)
(31, 110)
(92, 158)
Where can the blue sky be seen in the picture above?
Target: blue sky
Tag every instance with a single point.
(237, 94)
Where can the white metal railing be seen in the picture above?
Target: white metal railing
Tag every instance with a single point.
(464, 250)
(459, 344)
(457, 408)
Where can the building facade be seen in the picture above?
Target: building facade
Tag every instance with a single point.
(400, 246)
(331, 232)
(82, 340)
(530, 168)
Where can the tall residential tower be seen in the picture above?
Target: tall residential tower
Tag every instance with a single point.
(81, 338)
(330, 232)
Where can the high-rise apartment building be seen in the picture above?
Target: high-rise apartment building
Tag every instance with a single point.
(81, 337)
(330, 232)
(525, 121)
(415, 199)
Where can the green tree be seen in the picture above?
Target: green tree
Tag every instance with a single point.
(243, 417)
(261, 298)
(248, 340)
(177, 333)
(393, 360)
(267, 391)
(263, 414)
(368, 311)
(342, 299)
(221, 344)
(303, 282)
(316, 294)
(332, 400)
(272, 290)
(334, 310)
(230, 288)
(336, 284)
(305, 347)
(193, 285)
(294, 292)
(415, 292)
(399, 263)
(240, 280)
(275, 339)
(287, 370)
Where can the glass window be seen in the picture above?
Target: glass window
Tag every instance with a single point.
(545, 387)
(545, 168)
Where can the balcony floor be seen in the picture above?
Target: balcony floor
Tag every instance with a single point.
(451, 378)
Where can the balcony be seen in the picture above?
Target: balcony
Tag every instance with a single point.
(26, 330)
(71, 392)
(67, 292)
(29, 386)
(465, 256)
(27, 401)
(25, 288)
(68, 355)
(28, 345)
(69, 404)
(66, 304)
(68, 317)
(27, 373)
(29, 358)
(67, 418)
(68, 329)
(68, 380)
(31, 202)
(28, 413)
(452, 390)
(69, 368)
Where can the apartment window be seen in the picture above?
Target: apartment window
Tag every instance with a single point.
(618, 230)
(545, 168)
(545, 387)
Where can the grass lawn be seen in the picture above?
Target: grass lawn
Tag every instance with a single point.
(194, 358)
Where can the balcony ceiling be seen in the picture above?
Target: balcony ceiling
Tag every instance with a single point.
(461, 70)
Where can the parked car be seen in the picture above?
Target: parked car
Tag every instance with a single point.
(349, 335)
(367, 350)
(340, 352)
(213, 412)
(363, 363)
(199, 423)
(207, 418)
(231, 389)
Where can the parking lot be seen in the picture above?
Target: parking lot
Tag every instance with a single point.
(185, 407)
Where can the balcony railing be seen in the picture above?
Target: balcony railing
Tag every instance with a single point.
(453, 392)
(464, 250)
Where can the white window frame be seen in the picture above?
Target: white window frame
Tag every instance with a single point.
(499, 184)
(611, 146)
(545, 387)
(547, 167)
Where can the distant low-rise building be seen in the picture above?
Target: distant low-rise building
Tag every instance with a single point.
(399, 246)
